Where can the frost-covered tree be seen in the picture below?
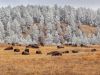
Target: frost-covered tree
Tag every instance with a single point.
(49, 25)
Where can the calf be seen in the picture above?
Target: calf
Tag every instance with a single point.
(9, 48)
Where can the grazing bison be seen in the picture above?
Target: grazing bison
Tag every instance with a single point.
(65, 52)
(82, 45)
(25, 53)
(41, 44)
(13, 44)
(38, 52)
(93, 50)
(8, 43)
(74, 51)
(9, 48)
(32, 46)
(70, 44)
(26, 50)
(74, 45)
(66, 44)
(16, 50)
(55, 53)
(60, 46)
(19, 45)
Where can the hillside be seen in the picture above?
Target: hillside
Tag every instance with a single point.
(49, 25)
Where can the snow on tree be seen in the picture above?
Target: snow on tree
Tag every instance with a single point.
(2, 32)
(35, 33)
(49, 39)
(53, 24)
(15, 26)
(56, 38)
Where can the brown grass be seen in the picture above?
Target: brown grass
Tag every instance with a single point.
(88, 30)
(83, 63)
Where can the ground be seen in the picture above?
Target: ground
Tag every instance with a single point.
(83, 63)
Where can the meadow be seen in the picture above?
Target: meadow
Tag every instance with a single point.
(84, 62)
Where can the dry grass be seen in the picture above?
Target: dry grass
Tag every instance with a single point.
(88, 30)
(83, 63)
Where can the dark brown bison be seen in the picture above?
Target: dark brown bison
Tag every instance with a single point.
(26, 50)
(66, 44)
(8, 43)
(16, 50)
(32, 46)
(42, 44)
(13, 44)
(74, 45)
(25, 53)
(55, 53)
(93, 50)
(19, 45)
(65, 52)
(74, 51)
(82, 45)
(60, 46)
(70, 44)
(38, 52)
(9, 48)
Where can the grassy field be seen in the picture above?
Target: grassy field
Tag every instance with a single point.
(84, 62)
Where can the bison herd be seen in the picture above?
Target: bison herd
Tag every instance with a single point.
(52, 53)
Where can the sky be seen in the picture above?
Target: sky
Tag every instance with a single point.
(94, 4)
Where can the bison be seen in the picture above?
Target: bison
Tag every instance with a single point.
(60, 46)
(41, 44)
(74, 45)
(82, 45)
(93, 50)
(26, 50)
(16, 50)
(55, 53)
(9, 48)
(32, 46)
(74, 51)
(65, 52)
(25, 53)
(13, 44)
(38, 52)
